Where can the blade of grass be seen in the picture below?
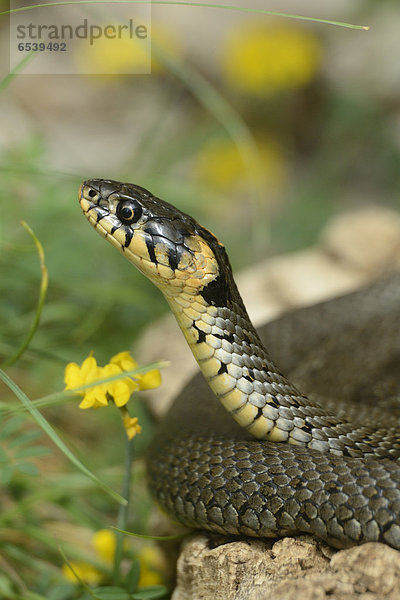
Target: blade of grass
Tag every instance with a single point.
(48, 429)
(42, 296)
(201, 4)
(5, 82)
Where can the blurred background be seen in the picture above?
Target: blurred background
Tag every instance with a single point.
(262, 128)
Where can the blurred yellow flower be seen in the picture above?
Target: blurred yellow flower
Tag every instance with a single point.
(115, 56)
(151, 566)
(129, 55)
(221, 164)
(164, 43)
(263, 59)
(78, 570)
(104, 543)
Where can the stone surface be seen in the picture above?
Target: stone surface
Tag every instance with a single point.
(366, 240)
(211, 568)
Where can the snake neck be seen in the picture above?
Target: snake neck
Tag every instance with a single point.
(239, 370)
(242, 375)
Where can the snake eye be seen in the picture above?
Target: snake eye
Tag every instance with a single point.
(129, 211)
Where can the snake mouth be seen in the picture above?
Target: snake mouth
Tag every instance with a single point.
(91, 194)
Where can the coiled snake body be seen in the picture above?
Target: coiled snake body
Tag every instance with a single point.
(335, 479)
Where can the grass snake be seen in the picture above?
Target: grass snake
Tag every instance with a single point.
(323, 460)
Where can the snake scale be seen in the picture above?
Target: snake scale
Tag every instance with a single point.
(286, 463)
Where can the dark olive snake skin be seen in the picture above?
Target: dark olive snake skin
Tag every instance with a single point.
(335, 477)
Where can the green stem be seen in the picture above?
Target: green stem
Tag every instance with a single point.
(181, 3)
(42, 296)
(123, 510)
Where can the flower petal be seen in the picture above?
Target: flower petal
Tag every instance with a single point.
(132, 426)
(90, 370)
(150, 380)
(121, 394)
(104, 543)
(124, 360)
(95, 398)
(72, 376)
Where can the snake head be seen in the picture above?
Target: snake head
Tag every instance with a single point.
(165, 244)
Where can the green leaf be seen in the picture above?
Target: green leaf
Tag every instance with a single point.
(111, 593)
(24, 438)
(4, 458)
(62, 590)
(151, 592)
(10, 427)
(32, 451)
(48, 429)
(28, 468)
(32, 596)
(6, 474)
(132, 579)
(6, 587)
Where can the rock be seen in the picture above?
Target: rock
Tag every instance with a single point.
(367, 240)
(213, 568)
(307, 277)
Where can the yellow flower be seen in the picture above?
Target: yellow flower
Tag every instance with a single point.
(124, 360)
(263, 59)
(77, 376)
(151, 566)
(132, 426)
(149, 380)
(119, 390)
(145, 381)
(129, 55)
(221, 164)
(84, 572)
(164, 43)
(104, 543)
